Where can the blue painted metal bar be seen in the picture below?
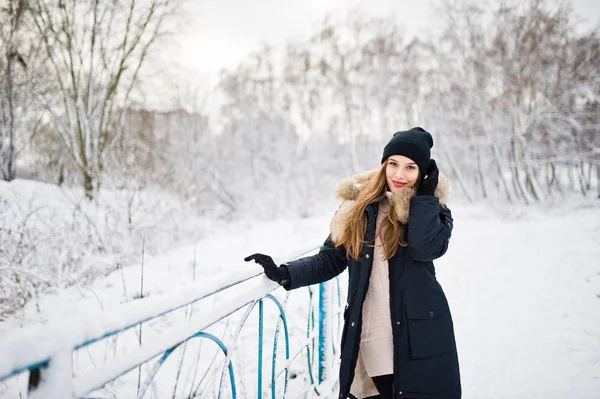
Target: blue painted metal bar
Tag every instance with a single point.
(237, 334)
(322, 333)
(274, 363)
(110, 333)
(229, 366)
(260, 347)
(282, 318)
(168, 353)
(210, 293)
(157, 366)
(338, 319)
(317, 350)
(310, 347)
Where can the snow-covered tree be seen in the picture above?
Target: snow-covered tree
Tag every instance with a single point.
(14, 69)
(96, 50)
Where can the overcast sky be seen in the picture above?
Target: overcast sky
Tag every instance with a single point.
(221, 33)
(227, 29)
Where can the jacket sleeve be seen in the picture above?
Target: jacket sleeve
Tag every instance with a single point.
(429, 228)
(323, 266)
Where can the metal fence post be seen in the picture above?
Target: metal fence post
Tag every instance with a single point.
(260, 347)
(50, 367)
(324, 327)
(54, 379)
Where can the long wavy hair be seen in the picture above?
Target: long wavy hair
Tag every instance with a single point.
(391, 231)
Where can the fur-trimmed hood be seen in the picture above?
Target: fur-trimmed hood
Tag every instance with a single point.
(348, 188)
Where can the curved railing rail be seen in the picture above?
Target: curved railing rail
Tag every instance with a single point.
(46, 352)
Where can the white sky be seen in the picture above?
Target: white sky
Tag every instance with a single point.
(223, 32)
(228, 29)
(220, 33)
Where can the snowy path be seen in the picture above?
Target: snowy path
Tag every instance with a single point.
(525, 297)
(524, 292)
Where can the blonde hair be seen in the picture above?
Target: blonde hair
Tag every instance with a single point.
(390, 230)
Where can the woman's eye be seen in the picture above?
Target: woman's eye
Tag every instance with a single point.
(411, 167)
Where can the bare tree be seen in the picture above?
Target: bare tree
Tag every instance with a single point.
(96, 50)
(514, 86)
(255, 132)
(13, 58)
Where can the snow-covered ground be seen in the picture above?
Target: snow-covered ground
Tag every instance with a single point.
(525, 295)
(523, 285)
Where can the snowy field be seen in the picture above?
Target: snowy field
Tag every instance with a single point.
(523, 286)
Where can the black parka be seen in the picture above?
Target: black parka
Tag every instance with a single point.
(425, 356)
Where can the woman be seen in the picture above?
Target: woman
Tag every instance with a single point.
(398, 337)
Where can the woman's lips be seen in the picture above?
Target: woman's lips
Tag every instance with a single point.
(398, 184)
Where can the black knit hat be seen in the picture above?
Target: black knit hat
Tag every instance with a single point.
(415, 144)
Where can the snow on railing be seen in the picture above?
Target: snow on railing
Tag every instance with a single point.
(46, 351)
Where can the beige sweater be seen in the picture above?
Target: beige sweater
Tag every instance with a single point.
(376, 340)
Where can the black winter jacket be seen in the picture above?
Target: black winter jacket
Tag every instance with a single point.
(425, 355)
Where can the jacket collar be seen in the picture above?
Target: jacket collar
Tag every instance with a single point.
(348, 188)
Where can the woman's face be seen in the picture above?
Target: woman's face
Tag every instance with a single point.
(401, 172)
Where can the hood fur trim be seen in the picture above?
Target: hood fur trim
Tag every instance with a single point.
(348, 188)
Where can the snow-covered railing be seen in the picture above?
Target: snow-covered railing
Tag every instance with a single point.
(46, 351)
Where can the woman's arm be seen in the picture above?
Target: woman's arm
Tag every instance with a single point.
(429, 228)
(323, 266)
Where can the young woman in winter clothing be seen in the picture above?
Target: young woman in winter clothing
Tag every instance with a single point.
(398, 337)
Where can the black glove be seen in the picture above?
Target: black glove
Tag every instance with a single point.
(430, 181)
(280, 274)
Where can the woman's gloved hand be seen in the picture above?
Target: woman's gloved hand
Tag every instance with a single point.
(430, 182)
(279, 274)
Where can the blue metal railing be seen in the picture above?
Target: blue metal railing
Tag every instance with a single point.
(56, 343)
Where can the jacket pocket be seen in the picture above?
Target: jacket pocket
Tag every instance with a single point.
(430, 331)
